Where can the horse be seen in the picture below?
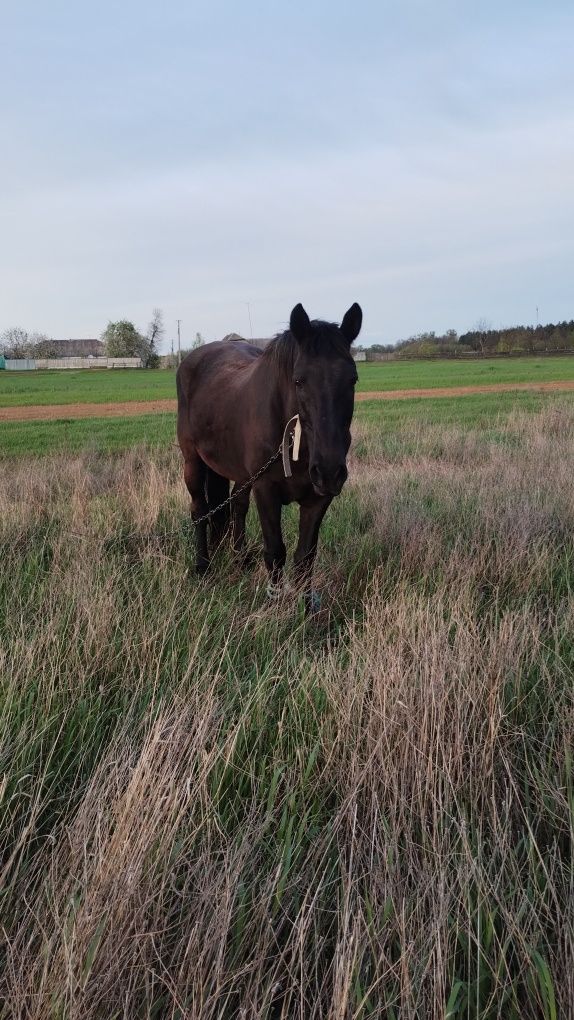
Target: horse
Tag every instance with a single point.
(236, 406)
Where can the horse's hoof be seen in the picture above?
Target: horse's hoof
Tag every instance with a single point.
(274, 591)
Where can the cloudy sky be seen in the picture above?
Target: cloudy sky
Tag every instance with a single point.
(417, 157)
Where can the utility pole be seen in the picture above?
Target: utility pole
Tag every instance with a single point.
(178, 343)
(537, 316)
(249, 313)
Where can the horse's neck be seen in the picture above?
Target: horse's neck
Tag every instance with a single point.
(278, 396)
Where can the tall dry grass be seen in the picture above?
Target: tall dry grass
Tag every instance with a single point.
(211, 809)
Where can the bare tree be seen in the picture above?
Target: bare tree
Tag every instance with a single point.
(16, 342)
(155, 332)
(482, 328)
(155, 329)
(19, 343)
(43, 346)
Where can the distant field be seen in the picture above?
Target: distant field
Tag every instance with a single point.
(482, 412)
(406, 375)
(100, 387)
(24, 389)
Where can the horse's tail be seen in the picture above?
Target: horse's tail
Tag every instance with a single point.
(217, 492)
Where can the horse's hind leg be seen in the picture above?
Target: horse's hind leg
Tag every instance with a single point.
(217, 492)
(240, 506)
(195, 474)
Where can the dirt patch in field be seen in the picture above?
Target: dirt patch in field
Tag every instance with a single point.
(52, 412)
(466, 391)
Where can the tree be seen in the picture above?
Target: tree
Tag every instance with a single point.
(16, 343)
(482, 329)
(379, 348)
(155, 333)
(122, 340)
(198, 342)
(43, 346)
(19, 343)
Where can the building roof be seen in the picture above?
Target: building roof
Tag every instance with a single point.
(260, 342)
(77, 346)
(232, 336)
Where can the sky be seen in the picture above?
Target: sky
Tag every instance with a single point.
(225, 159)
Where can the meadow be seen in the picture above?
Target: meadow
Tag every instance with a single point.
(213, 808)
(482, 412)
(102, 386)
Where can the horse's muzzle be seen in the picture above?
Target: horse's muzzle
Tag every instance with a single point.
(328, 482)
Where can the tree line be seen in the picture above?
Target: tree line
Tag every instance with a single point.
(122, 340)
(483, 340)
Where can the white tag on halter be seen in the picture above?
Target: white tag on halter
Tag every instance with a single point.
(286, 444)
(297, 439)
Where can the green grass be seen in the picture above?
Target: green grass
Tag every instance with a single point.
(210, 808)
(91, 386)
(480, 411)
(98, 434)
(405, 375)
(88, 386)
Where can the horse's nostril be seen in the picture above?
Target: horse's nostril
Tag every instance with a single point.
(328, 481)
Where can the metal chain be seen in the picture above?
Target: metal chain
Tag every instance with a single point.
(233, 495)
(246, 485)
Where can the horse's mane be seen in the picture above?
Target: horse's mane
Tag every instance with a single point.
(325, 337)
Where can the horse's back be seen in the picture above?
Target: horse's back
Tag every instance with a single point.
(210, 377)
(211, 359)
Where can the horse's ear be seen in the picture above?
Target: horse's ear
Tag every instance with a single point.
(352, 322)
(299, 323)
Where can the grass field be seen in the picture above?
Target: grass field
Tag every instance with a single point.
(101, 435)
(405, 375)
(211, 808)
(90, 386)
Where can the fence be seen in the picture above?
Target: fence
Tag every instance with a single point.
(20, 364)
(29, 364)
(463, 355)
(380, 355)
(55, 363)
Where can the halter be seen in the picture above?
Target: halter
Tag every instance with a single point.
(289, 434)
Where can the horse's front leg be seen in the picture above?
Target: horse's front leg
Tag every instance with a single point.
(274, 553)
(239, 508)
(310, 517)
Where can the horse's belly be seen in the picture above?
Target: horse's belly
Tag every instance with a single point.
(221, 456)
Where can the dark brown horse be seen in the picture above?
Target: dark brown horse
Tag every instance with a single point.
(234, 403)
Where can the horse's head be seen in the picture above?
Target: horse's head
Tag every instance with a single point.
(324, 377)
